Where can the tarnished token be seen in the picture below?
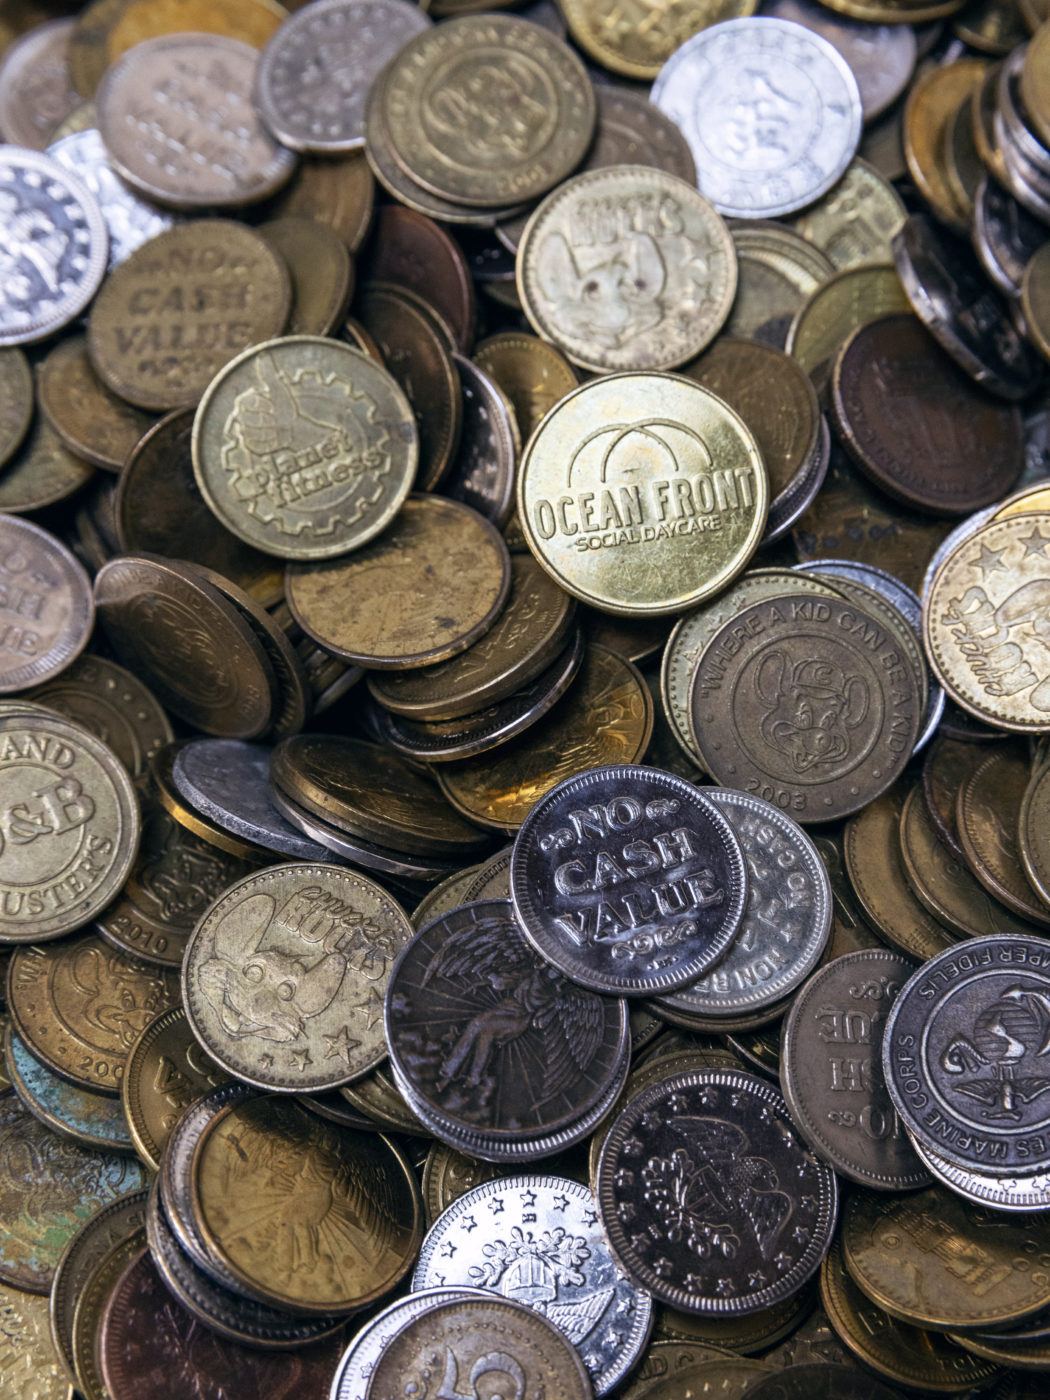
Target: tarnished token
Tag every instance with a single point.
(628, 880)
(988, 809)
(849, 299)
(284, 977)
(1033, 834)
(483, 468)
(731, 86)
(983, 623)
(931, 107)
(637, 42)
(434, 583)
(855, 222)
(337, 191)
(16, 403)
(480, 1338)
(642, 493)
(315, 74)
(831, 1070)
(333, 1230)
(443, 100)
(820, 1382)
(183, 305)
(71, 824)
(543, 1228)
(708, 1197)
(962, 1055)
(1006, 237)
(304, 448)
(320, 268)
(252, 21)
(416, 254)
(176, 631)
(359, 1360)
(463, 973)
(1035, 299)
(777, 271)
(54, 1186)
(35, 90)
(807, 702)
(946, 767)
(167, 1070)
(46, 608)
(627, 268)
(180, 127)
(786, 919)
(84, 1117)
(93, 423)
(56, 246)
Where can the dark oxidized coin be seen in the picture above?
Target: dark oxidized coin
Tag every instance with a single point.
(493, 1038)
(919, 426)
(820, 1382)
(965, 1055)
(628, 880)
(709, 1197)
(831, 1070)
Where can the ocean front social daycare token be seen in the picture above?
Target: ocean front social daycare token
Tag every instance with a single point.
(642, 494)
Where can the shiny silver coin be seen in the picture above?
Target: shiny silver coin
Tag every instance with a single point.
(130, 221)
(771, 111)
(1026, 1194)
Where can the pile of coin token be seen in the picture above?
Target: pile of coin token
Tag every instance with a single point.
(524, 699)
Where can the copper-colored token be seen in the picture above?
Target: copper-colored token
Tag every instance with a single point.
(253, 21)
(182, 306)
(606, 717)
(987, 813)
(430, 586)
(849, 299)
(159, 510)
(43, 472)
(931, 106)
(46, 609)
(336, 191)
(947, 766)
(16, 401)
(173, 629)
(411, 250)
(320, 268)
(93, 423)
(80, 1005)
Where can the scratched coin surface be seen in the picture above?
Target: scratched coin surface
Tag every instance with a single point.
(304, 447)
(540, 1243)
(167, 1070)
(92, 422)
(46, 609)
(676, 249)
(629, 880)
(856, 220)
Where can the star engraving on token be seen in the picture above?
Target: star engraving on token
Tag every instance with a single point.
(990, 561)
(1035, 543)
(340, 1044)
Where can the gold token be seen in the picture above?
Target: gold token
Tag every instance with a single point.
(431, 586)
(42, 473)
(930, 109)
(1034, 832)
(93, 423)
(80, 1005)
(532, 374)
(167, 1070)
(254, 21)
(1020, 1355)
(378, 1098)
(1028, 501)
(627, 268)
(337, 191)
(91, 1307)
(642, 494)
(30, 1364)
(16, 401)
(748, 1334)
(447, 1175)
(1035, 296)
(846, 301)
(71, 826)
(606, 717)
(1035, 82)
(283, 979)
(445, 99)
(315, 1218)
(985, 623)
(987, 813)
(321, 272)
(855, 223)
(636, 40)
(304, 448)
(777, 272)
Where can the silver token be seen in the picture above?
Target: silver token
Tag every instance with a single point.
(771, 111)
(53, 255)
(315, 74)
(483, 472)
(350, 1381)
(129, 220)
(538, 1240)
(1026, 1194)
(786, 921)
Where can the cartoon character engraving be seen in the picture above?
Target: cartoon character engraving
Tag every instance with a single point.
(117, 1002)
(1014, 1030)
(810, 710)
(1002, 643)
(533, 1269)
(714, 1194)
(609, 294)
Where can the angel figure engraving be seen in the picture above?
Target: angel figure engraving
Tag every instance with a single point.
(715, 1194)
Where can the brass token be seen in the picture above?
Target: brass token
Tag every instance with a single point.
(872, 850)
(637, 42)
(113, 705)
(984, 620)
(854, 224)
(93, 423)
(447, 1175)
(177, 632)
(79, 1006)
(30, 1363)
(46, 608)
(525, 639)
(315, 1218)
(444, 98)
(16, 401)
(167, 1070)
(963, 168)
(1034, 13)
(52, 1187)
(372, 793)
(87, 44)
(42, 473)
(380, 1100)
(777, 272)
(987, 812)
(1035, 296)
(904, 1253)
(283, 979)
(71, 822)
(681, 260)
(945, 887)
(181, 307)
(415, 353)
(947, 766)
(1035, 82)
(845, 302)
(1020, 1354)
(534, 375)
(931, 106)
(337, 191)
(663, 1359)
(91, 1307)
(732, 1378)
(606, 717)
(434, 583)
(1034, 832)
(159, 510)
(740, 1334)
(321, 272)
(991, 26)
(253, 21)
(905, 1355)
(642, 494)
